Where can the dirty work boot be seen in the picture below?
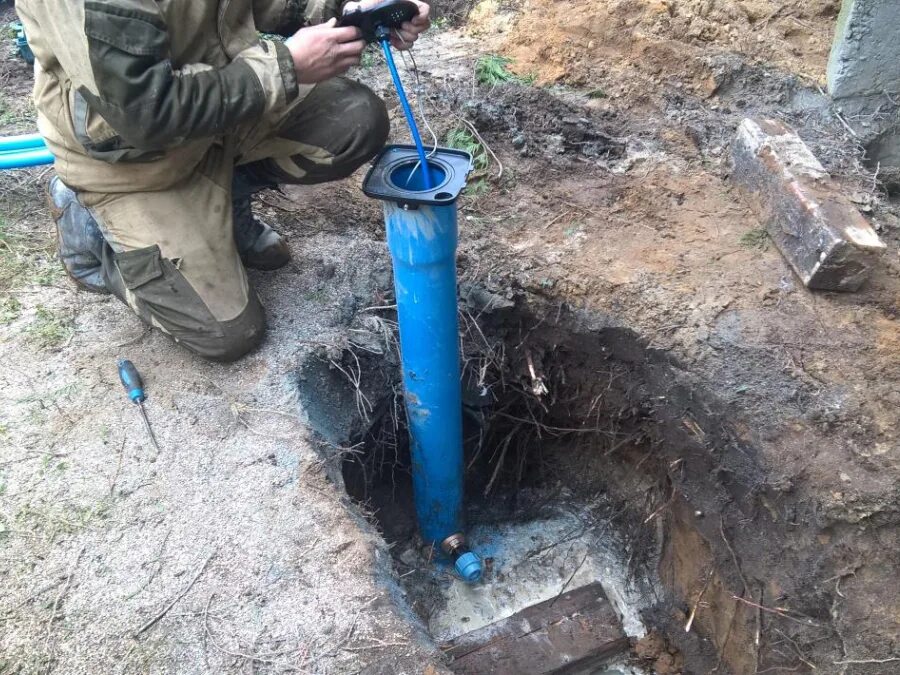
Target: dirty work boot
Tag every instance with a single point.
(81, 243)
(260, 247)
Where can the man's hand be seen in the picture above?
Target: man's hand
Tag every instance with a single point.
(405, 36)
(325, 51)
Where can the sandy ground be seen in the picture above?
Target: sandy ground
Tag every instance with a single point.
(230, 551)
(233, 519)
(626, 44)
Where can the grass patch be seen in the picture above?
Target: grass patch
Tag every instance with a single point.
(478, 187)
(462, 138)
(10, 262)
(13, 116)
(756, 239)
(492, 70)
(319, 296)
(49, 396)
(50, 464)
(7, 116)
(595, 94)
(10, 310)
(25, 262)
(369, 58)
(49, 329)
(54, 519)
(7, 238)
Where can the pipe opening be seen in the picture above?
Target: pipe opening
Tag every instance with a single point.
(579, 440)
(409, 176)
(561, 473)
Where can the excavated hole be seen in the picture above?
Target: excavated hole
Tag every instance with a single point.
(567, 471)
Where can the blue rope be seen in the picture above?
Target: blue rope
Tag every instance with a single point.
(413, 128)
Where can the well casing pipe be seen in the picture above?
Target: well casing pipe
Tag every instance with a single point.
(422, 237)
(423, 247)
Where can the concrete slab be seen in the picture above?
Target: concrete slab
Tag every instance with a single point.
(863, 77)
(866, 50)
(533, 562)
(821, 234)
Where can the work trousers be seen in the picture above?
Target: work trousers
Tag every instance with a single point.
(170, 254)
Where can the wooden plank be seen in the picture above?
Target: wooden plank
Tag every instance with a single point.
(557, 636)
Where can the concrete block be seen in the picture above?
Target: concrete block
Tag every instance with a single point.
(864, 78)
(815, 226)
(866, 50)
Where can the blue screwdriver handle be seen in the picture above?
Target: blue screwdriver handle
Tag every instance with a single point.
(131, 380)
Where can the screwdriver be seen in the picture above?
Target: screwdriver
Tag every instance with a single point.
(134, 386)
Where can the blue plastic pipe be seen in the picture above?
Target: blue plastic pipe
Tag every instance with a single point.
(423, 247)
(20, 159)
(410, 118)
(31, 141)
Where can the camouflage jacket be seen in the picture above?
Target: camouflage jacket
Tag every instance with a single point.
(139, 81)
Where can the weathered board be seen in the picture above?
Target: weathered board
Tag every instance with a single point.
(568, 635)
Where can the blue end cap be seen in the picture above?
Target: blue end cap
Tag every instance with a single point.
(137, 395)
(469, 567)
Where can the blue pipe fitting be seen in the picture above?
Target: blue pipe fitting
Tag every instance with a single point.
(421, 219)
(468, 567)
(22, 43)
(466, 563)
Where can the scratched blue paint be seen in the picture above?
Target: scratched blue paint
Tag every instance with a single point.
(423, 246)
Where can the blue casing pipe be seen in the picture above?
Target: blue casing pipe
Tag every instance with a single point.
(20, 159)
(423, 247)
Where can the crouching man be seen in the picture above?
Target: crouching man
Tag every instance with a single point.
(166, 116)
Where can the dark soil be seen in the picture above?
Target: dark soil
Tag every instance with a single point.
(539, 123)
(764, 416)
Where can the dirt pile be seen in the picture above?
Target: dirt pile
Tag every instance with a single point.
(533, 118)
(663, 659)
(618, 44)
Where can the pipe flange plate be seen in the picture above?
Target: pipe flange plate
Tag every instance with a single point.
(454, 164)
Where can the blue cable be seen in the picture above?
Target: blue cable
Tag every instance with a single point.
(413, 128)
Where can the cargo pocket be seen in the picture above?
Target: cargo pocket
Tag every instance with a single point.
(162, 296)
(124, 43)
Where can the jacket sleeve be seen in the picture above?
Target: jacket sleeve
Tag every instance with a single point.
(285, 17)
(136, 89)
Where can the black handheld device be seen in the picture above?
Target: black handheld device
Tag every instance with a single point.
(389, 14)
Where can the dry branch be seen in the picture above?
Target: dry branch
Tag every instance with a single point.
(152, 622)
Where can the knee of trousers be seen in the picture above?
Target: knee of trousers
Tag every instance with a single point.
(162, 297)
(368, 117)
(233, 339)
(379, 127)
